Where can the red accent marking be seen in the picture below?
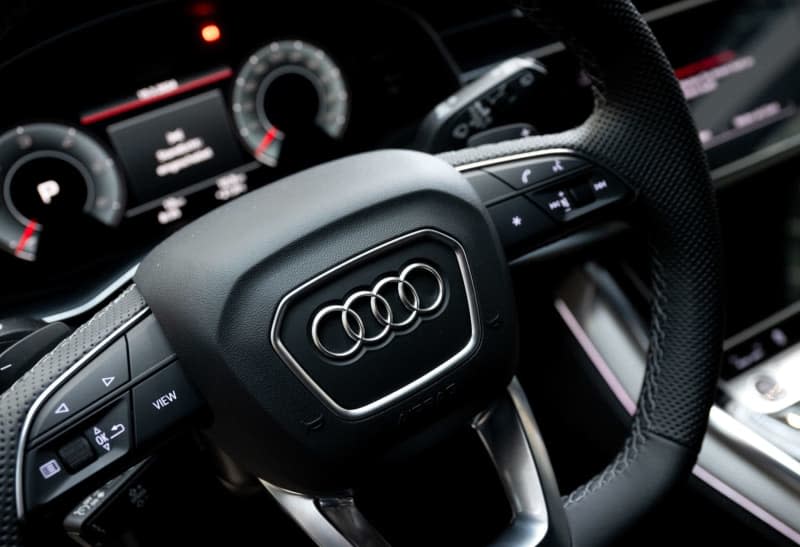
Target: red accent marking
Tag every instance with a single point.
(203, 9)
(30, 228)
(705, 64)
(135, 104)
(267, 140)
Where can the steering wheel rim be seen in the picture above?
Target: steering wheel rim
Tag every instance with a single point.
(639, 104)
(639, 109)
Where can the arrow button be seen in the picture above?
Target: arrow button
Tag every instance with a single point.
(102, 375)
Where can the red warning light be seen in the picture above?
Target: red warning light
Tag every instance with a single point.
(210, 33)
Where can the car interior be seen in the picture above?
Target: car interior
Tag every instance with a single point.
(397, 272)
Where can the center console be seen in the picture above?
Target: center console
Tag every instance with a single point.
(751, 453)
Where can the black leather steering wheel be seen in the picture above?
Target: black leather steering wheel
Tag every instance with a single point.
(237, 294)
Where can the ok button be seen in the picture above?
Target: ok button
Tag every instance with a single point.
(104, 374)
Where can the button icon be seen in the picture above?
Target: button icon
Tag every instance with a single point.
(557, 166)
(561, 203)
(138, 496)
(107, 371)
(102, 439)
(527, 79)
(117, 430)
(516, 221)
(165, 400)
(461, 131)
(62, 409)
(109, 435)
(49, 469)
(600, 185)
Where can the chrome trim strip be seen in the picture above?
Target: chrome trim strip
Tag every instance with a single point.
(383, 402)
(505, 430)
(508, 432)
(762, 325)
(41, 399)
(516, 157)
(594, 356)
(733, 431)
(763, 158)
(94, 301)
(674, 9)
(722, 424)
(768, 518)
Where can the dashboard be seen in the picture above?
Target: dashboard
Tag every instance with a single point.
(739, 77)
(123, 122)
(122, 125)
(126, 130)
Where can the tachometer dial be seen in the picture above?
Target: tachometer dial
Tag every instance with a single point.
(50, 174)
(284, 90)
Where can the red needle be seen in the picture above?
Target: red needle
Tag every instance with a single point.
(30, 228)
(267, 140)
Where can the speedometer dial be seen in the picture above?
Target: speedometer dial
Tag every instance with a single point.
(284, 90)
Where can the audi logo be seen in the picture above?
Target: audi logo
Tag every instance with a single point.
(388, 319)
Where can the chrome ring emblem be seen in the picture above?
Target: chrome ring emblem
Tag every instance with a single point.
(353, 324)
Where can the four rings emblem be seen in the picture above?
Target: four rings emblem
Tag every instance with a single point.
(411, 307)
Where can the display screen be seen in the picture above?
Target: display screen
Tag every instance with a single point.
(177, 145)
(738, 63)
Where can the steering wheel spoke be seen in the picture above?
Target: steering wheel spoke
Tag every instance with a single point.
(333, 521)
(510, 436)
(110, 408)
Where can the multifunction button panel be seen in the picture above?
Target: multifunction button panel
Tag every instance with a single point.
(126, 397)
(534, 199)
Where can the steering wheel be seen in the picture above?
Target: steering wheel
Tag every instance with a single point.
(331, 316)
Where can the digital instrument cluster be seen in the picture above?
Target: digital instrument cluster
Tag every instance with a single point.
(116, 134)
(169, 150)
